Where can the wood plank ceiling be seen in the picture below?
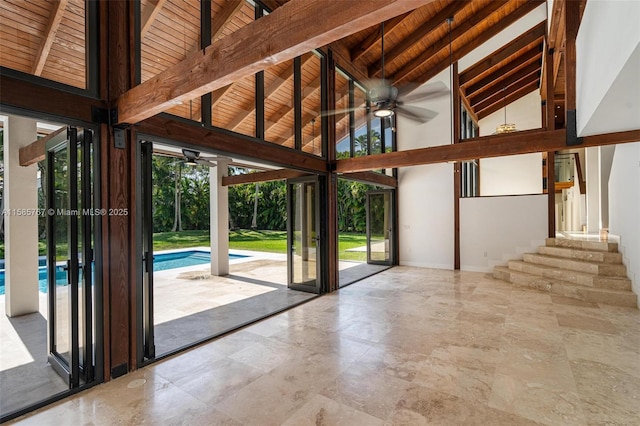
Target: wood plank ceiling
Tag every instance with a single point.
(47, 38)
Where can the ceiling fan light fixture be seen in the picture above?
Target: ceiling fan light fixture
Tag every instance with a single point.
(191, 157)
(383, 112)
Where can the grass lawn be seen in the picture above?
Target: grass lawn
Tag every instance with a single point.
(243, 239)
(247, 239)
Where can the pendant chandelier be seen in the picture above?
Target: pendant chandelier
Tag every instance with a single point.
(506, 127)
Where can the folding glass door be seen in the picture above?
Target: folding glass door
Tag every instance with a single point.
(70, 256)
(380, 235)
(303, 235)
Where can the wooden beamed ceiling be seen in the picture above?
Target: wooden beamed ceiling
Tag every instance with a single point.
(290, 31)
(419, 44)
(416, 48)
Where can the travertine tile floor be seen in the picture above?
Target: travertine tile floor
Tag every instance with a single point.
(407, 346)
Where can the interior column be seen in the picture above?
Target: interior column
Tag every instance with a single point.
(20, 220)
(219, 207)
(593, 189)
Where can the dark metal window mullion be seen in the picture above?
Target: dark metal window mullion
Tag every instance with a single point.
(352, 119)
(92, 55)
(297, 102)
(369, 139)
(259, 88)
(324, 83)
(205, 40)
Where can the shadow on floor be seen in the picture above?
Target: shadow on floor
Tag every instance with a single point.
(356, 273)
(27, 381)
(184, 331)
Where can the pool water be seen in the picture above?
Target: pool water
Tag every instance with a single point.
(164, 261)
(161, 262)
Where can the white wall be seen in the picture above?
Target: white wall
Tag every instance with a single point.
(525, 113)
(515, 174)
(624, 207)
(523, 24)
(512, 175)
(607, 68)
(494, 228)
(426, 222)
(425, 193)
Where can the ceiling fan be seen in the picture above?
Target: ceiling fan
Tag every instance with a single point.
(193, 158)
(387, 100)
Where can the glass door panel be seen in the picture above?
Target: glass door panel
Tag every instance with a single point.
(379, 227)
(148, 343)
(58, 269)
(69, 256)
(303, 235)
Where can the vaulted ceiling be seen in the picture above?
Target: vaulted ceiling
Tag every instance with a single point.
(46, 38)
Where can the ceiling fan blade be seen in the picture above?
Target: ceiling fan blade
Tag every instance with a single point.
(340, 111)
(431, 91)
(421, 115)
(206, 162)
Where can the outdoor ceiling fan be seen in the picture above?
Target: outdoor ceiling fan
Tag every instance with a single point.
(387, 100)
(193, 158)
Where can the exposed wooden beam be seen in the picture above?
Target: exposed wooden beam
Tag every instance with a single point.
(611, 138)
(49, 36)
(220, 21)
(372, 178)
(499, 84)
(554, 26)
(219, 94)
(149, 15)
(457, 32)
(500, 94)
(533, 35)
(357, 69)
(270, 175)
(548, 91)
(291, 30)
(416, 36)
(276, 84)
(272, 4)
(582, 184)
(36, 151)
(273, 120)
(51, 103)
(230, 144)
(521, 11)
(524, 142)
(467, 105)
(559, 40)
(572, 23)
(474, 148)
(373, 39)
(532, 56)
(512, 97)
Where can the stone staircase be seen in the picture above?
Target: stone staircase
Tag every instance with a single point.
(591, 271)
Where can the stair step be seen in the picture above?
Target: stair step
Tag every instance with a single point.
(563, 288)
(575, 277)
(606, 269)
(583, 244)
(584, 255)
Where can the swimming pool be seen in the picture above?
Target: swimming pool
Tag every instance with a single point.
(180, 259)
(161, 262)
